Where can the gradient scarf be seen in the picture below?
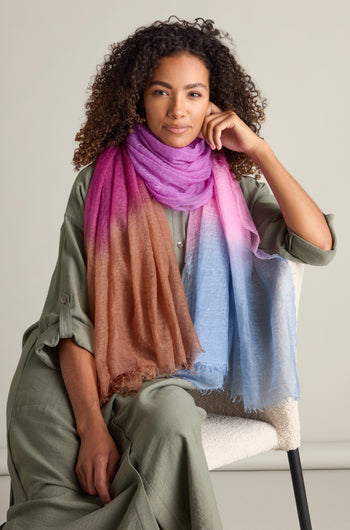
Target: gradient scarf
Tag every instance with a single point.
(229, 322)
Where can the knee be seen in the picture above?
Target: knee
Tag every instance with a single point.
(174, 414)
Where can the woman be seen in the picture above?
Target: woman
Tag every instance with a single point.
(112, 440)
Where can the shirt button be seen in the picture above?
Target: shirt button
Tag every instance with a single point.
(180, 244)
(63, 300)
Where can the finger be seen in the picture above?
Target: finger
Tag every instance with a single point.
(81, 478)
(112, 465)
(212, 120)
(212, 109)
(100, 481)
(217, 133)
(207, 130)
(212, 130)
(216, 125)
(85, 476)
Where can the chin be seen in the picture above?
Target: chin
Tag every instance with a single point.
(177, 141)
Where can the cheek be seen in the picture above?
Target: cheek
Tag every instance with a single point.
(150, 117)
(153, 110)
(201, 113)
(148, 103)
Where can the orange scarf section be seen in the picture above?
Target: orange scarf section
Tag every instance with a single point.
(138, 305)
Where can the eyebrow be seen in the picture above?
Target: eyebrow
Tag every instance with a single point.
(186, 87)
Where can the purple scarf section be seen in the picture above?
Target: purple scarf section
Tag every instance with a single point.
(179, 178)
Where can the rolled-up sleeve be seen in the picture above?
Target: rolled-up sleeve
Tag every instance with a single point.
(66, 310)
(275, 236)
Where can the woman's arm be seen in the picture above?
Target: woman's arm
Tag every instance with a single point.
(98, 455)
(300, 212)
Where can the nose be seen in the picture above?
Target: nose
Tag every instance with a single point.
(176, 107)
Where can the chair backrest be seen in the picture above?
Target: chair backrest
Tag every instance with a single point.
(283, 417)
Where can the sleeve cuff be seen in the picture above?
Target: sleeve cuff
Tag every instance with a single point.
(47, 343)
(308, 253)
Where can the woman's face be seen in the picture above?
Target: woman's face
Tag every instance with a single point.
(176, 99)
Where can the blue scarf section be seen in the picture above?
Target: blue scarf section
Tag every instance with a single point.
(241, 302)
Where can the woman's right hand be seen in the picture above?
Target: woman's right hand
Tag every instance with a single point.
(97, 463)
(98, 456)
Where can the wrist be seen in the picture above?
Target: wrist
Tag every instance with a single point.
(259, 151)
(91, 422)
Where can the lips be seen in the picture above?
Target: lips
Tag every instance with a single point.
(177, 129)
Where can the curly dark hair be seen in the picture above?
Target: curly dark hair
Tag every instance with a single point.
(116, 99)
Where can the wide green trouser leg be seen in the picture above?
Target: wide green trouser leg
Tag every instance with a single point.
(162, 480)
(163, 425)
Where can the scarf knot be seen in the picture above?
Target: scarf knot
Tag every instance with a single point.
(180, 178)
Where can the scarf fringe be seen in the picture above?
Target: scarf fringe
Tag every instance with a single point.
(213, 372)
(237, 399)
(129, 383)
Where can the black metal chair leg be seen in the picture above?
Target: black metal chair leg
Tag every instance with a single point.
(11, 496)
(299, 489)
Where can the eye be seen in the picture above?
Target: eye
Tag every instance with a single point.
(195, 94)
(159, 92)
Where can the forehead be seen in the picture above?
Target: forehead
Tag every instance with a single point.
(183, 67)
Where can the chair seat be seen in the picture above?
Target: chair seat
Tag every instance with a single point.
(227, 439)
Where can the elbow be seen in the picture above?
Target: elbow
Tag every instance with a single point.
(326, 242)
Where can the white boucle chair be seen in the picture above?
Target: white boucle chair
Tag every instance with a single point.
(230, 434)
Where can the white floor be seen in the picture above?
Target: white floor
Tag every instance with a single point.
(263, 500)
